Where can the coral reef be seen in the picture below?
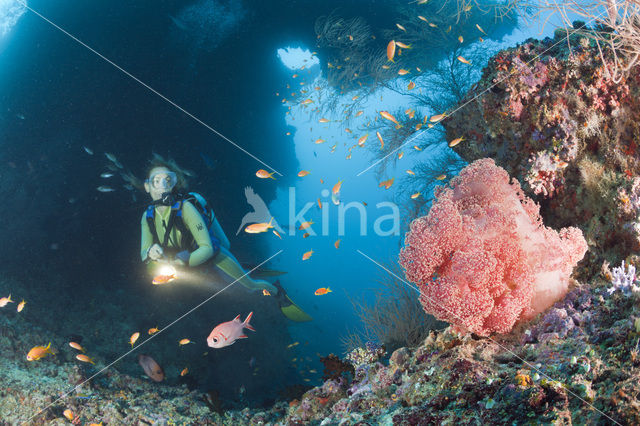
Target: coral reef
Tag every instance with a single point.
(553, 117)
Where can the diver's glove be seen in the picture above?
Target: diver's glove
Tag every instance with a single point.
(155, 252)
(183, 256)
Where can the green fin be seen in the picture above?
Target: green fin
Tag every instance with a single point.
(294, 313)
(288, 308)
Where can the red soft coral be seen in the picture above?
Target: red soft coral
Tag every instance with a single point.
(482, 257)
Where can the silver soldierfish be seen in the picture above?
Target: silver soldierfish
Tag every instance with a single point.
(104, 188)
(227, 333)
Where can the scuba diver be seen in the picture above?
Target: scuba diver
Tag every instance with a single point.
(175, 230)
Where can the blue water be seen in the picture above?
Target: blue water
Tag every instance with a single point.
(77, 249)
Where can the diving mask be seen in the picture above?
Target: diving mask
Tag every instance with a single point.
(163, 180)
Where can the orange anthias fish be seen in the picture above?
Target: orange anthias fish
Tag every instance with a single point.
(411, 85)
(134, 337)
(84, 358)
(5, 300)
(386, 183)
(437, 118)
(391, 50)
(402, 45)
(21, 306)
(265, 292)
(184, 372)
(322, 291)
(163, 279)
(68, 414)
(336, 187)
(362, 140)
(402, 71)
(380, 139)
(303, 173)
(76, 346)
(263, 174)
(455, 142)
(337, 244)
(153, 330)
(463, 60)
(389, 117)
(276, 233)
(38, 352)
(259, 227)
(414, 196)
(184, 342)
(305, 225)
(307, 255)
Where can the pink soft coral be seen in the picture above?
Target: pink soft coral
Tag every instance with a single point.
(482, 257)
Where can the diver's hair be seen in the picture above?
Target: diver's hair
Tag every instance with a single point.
(170, 163)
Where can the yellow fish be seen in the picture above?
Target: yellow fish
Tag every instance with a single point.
(437, 118)
(323, 120)
(133, 338)
(414, 196)
(480, 28)
(455, 142)
(21, 305)
(265, 292)
(380, 139)
(402, 45)
(463, 60)
(259, 227)
(153, 330)
(401, 27)
(38, 352)
(84, 358)
(390, 117)
(184, 342)
(441, 177)
(307, 255)
(76, 346)
(411, 172)
(263, 174)
(391, 50)
(5, 300)
(319, 141)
